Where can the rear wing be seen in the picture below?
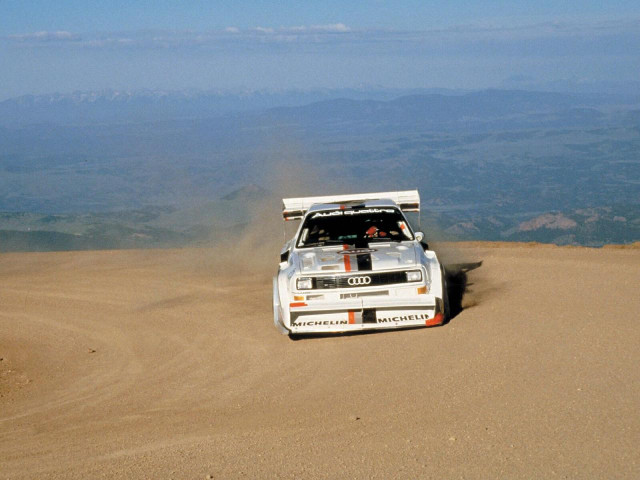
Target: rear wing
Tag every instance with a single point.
(295, 208)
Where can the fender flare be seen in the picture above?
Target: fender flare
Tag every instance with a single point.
(277, 309)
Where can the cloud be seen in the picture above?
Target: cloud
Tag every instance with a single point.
(44, 36)
(553, 38)
(548, 29)
(113, 42)
(264, 30)
(334, 27)
(317, 54)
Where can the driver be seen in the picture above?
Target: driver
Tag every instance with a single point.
(374, 232)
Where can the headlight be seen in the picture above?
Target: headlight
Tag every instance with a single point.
(304, 283)
(414, 276)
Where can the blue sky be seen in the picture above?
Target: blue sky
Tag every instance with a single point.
(20, 16)
(63, 46)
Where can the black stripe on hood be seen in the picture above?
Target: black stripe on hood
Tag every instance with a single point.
(364, 262)
(363, 259)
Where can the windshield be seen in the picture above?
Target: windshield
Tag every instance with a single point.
(357, 227)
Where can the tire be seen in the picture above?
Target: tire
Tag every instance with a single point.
(445, 298)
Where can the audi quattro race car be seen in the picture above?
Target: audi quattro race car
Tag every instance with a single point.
(356, 264)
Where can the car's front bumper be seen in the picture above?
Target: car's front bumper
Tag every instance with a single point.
(365, 313)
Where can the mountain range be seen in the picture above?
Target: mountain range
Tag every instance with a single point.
(115, 106)
(493, 164)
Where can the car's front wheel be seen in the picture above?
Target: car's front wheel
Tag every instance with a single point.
(445, 297)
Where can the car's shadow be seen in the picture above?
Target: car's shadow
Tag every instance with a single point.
(457, 282)
(305, 336)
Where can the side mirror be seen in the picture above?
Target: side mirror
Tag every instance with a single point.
(284, 256)
(420, 239)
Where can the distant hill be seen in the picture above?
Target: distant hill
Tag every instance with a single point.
(483, 110)
(117, 107)
(155, 169)
(392, 106)
(595, 227)
(233, 216)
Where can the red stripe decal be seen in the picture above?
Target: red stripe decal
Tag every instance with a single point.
(437, 320)
(352, 317)
(297, 304)
(347, 259)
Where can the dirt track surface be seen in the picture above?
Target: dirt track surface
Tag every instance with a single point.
(166, 364)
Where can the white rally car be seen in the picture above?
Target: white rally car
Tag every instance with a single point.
(355, 264)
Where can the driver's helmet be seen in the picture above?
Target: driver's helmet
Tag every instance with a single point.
(374, 232)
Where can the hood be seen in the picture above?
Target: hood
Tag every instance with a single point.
(378, 256)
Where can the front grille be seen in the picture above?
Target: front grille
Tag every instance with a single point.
(374, 293)
(342, 281)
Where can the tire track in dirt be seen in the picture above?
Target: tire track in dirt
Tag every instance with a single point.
(153, 364)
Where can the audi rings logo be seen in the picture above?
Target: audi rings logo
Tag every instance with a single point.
(359, 281)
